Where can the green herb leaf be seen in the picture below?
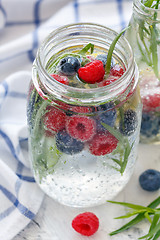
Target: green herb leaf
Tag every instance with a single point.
(86, 48)
(139, 218)
(111, 49)
(124, 141)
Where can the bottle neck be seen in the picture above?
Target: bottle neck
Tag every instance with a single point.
(151, 15)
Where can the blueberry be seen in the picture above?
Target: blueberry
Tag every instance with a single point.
(150, 125)
(107, 114)
(150, 180)
(66, 144)
(129, 123)
(103, 58)
(69, 65)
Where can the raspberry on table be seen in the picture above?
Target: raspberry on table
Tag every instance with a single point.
(117, 70)
(61, 79)
(92, 72)
(82, 128)
(86, 223)
(129, 124)
(102, 144)
(55, 119)
(69, 65)
(66, 144)
(150, 180)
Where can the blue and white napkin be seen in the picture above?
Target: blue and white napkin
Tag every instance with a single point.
(23, 26)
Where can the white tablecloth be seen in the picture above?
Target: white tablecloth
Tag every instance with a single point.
(23, 26)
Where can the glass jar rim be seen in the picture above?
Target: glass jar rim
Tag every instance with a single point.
(146, 11)
(106, 90)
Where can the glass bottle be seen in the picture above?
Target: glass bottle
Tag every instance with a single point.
(144, 37)
(83, 137)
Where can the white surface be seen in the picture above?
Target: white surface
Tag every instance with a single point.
(53, 222)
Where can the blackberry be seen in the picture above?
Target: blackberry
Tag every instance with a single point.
(66, 144)
(150, 180)
(150, 125)
(69, 66)
(129, 123)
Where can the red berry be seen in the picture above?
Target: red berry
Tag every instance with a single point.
(61, 79)
(55, 119)
(117, 71)
(80, 109)
(81, 127)
(151, 102)
(108, 81)
(86, 223)
(102, 144)
(92, 72)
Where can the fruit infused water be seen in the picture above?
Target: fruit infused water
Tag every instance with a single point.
(84, 115)
(143, 35)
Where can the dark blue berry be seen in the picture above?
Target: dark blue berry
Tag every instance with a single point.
(106, 114)
(150, 125)
(69, 65)
(128, 123)
(103, 58)
(150, 180)
(66, 144)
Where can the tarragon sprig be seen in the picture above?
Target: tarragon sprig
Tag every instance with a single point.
(151, 213)
(149, 33)
(125, 143)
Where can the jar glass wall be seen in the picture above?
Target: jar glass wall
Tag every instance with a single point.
(83, 137)
(144, 37)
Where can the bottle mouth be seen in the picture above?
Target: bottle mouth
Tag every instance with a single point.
(82, 34)
(145, 11)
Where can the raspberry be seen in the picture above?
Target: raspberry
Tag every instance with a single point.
(117, 71)
(81, 127)
(108, 81)
(151, 102)
(102, 144)
(55, 119)
(92, 72)
(86, 223)
(150, 180)
(61, 79)
(80, 109)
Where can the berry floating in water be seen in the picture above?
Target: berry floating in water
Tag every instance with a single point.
(69, 66)
(66, 144)
(102, 144)
(129, 124)
(86, 223)
(92, 72)
(82, 128)
(55, 119)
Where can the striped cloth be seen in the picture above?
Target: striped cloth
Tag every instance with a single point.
(23, 26)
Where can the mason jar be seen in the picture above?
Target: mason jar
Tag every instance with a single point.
(144, 37)
(83, 134)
